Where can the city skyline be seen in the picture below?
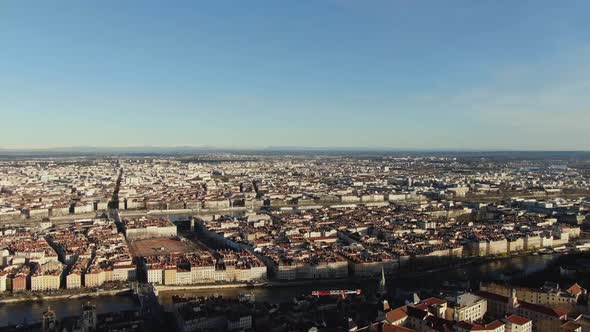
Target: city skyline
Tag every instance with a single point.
(172, 235)
(306, 165)
(332, 75)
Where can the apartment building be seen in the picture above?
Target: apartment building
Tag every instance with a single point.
(543, 318)
(515, 323)
(466, 307)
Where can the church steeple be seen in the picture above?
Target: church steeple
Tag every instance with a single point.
(381, 290)
(512, 300)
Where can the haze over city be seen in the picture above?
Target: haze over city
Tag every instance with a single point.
(497, 75)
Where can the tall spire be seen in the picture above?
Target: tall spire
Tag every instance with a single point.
(512, 300)
(381, 290)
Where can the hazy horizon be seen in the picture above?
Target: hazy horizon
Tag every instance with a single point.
(332, 74)
(213, 149)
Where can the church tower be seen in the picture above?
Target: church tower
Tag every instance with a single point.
(49, 322)
(88, 317)
(512, 301)
(381, 290)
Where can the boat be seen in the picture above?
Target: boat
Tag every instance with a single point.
(246, 297)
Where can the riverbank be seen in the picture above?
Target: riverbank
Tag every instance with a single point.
(403, 272)
(168, 288)
(491, 270)
(406, 274)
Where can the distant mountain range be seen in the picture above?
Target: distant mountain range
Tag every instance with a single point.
(160, 150)
(148, 148)
(98, 149)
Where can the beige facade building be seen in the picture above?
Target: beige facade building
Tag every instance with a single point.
(550, 294)
(231, 273)
(45, 282)
(123, 272)
(148, 227)
(515, 323)
(467, 307)
(46, 277)
(150, 231)
(533, 242)
(3, 281)
(515, 245)
(155, 275)
(93, 279)
(183, 277)
(169, 276)
(337, 269)
(543, 318)
(74, 280)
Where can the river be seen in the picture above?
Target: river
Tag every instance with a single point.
(19, 312)
(476, 272)
(481, 271)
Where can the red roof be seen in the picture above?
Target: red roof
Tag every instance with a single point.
(492, 296)
(517, 320)
(575, 289)
(385, 327)
(542, 309)
(570, 326)
(476, 327)
(464, 325)
(494, 325)
(395, 328)
(397, 314)
(422, 306)
(432, 301)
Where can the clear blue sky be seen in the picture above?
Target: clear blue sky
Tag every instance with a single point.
(319, 73)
